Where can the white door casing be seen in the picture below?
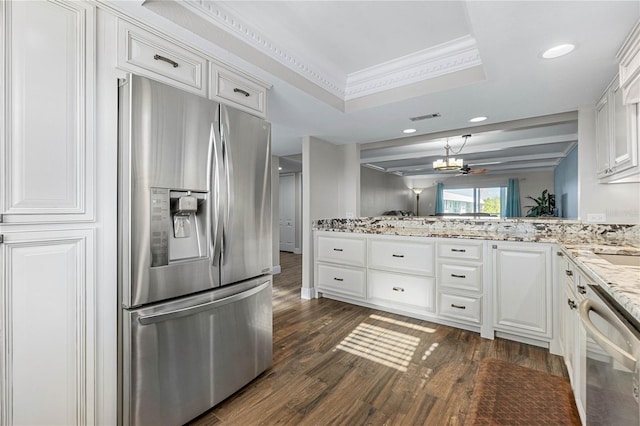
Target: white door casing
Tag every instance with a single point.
(287, 213)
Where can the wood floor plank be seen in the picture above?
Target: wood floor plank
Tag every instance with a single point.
(337, 363)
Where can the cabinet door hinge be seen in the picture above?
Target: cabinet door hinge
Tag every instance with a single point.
(495, 246)
(559, 253)
(1, 238)
(1, 217)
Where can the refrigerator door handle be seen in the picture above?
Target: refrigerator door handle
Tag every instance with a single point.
(228, 172)
(192, 310)
(215, 176)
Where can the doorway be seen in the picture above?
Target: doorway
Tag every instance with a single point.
(287, 212)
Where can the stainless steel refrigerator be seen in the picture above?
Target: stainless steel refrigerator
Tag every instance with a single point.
(194, 265)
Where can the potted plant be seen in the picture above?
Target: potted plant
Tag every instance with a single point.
(545, 205)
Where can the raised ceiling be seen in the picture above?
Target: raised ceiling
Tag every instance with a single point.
(412, 57)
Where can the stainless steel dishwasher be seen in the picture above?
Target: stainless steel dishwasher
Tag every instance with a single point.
(610, 350)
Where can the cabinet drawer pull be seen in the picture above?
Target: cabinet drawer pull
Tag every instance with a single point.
(582, 289)
(572, 304)
(244, 92)
(569, 273)
(458, 276)
(397, 255)
(338, 279)
(167, 60)
(400, 289)
(337, 249)
(453, 305)
(459, 250)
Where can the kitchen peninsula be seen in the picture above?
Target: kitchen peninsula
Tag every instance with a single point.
(581, 242)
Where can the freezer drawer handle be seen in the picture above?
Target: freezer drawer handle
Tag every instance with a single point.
(244, 92)
(400, 289)
(458, 306)
(459, 250)
(458, 276)
(338, 279)
(192, 310)
(616, 352)
(167, 60)
(397, 255)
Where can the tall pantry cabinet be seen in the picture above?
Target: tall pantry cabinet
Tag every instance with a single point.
(51, 361)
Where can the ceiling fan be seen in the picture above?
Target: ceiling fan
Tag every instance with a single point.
(466, 170)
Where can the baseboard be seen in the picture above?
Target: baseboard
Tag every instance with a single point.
(297, 251)
(307, 293)
(276, 270)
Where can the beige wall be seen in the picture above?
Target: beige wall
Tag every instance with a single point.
(380, 191)
(331, 182)
(620, 202)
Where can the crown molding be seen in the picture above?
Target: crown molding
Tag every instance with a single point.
(455, 55)
(224, 20)
(446, 58)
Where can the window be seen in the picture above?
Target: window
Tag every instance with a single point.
(474, 200)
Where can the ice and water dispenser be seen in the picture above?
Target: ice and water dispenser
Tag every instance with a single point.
(178, 225)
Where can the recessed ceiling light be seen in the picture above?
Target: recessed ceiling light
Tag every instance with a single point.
(279, 168)
(557, 51)
(409, 131)
(477, 119)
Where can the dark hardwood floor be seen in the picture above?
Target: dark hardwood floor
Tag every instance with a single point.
(336, 363)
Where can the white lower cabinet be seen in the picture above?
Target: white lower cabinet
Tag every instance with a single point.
(48, 324)
(341, 279)
(411, 291)
(522, 279)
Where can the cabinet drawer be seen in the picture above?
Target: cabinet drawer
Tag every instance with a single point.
(461, 307)
(460, 250)
(350, 281)
(151, 56)
(231, 88)
(464, 277)
(404, 289)
(415, 257)
(346, 251)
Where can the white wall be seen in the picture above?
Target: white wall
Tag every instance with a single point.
(331, 182)
(620, 202)
(298, 237)
(530, 183)
(380, 191)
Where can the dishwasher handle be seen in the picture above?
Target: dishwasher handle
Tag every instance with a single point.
(615, 351)
(192, 310)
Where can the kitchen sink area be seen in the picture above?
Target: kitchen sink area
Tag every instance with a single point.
(622, 259)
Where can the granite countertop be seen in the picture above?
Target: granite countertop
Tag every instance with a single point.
(581, 241)
(621, 282)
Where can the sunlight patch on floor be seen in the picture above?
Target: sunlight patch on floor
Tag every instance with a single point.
(387, 347)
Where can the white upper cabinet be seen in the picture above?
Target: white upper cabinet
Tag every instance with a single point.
(150, 55)
(47, 139)
(629, 56)
(617, 137)
(241, 91)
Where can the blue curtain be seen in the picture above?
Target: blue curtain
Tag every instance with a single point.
(513, 199)
(439, 199)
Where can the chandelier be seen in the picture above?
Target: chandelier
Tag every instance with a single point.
(450, 163)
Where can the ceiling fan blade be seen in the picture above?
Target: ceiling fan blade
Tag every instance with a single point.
(477, 171)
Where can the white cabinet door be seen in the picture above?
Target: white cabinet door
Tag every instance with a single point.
(522, 292)
(602, 136)
(623, 151)
(47, 140)
(47, 322)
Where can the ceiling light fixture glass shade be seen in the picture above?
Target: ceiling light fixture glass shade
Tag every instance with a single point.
(557, 51)
(407, 131)
(477, 119)
(448, 163)
(417, 191)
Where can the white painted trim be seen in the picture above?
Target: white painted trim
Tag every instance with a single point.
(452, 56)
(445, 58)
(276, 270)
(308, 293)
(297, 250)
